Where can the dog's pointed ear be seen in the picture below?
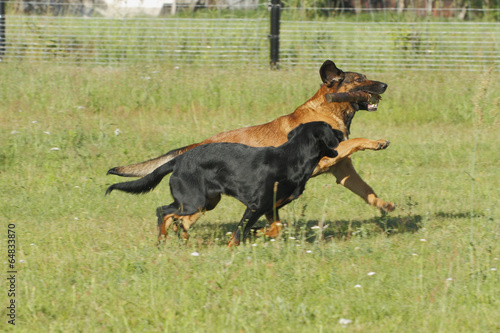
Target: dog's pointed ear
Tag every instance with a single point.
(330, 73)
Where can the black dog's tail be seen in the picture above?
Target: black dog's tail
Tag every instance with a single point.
(146, 183)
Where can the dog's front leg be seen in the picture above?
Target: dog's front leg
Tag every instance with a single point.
(235, 238)
(346, 149)
(347, 176)
(275, 225)
(250, 217)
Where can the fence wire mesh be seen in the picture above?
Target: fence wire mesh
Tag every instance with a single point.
(424, 45)
(114, 41)
(471, 46)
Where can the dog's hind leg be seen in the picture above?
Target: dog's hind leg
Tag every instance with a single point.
(163, 227)
(189, 220)
(165, 217)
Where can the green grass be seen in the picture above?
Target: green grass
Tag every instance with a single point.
(89, 263)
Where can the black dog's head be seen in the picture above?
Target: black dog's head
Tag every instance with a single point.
(338, 81)
(321, 134)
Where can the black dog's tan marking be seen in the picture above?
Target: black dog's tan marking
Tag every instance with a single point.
(246, 173)
(338, 114)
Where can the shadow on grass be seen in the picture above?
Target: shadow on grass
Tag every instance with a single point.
(216, 232)
(345, 229)
(467, 215)
(332, 229)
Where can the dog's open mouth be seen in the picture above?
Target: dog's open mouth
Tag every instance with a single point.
(372, 103)
(361, 100)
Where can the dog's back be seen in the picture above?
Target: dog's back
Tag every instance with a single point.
(229, 168)
(242, 171)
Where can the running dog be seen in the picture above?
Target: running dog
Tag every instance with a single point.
(264, 179)
(323, 106)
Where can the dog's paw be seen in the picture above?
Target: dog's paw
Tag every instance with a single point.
(272, 231)
(388, 207)
(382, 144)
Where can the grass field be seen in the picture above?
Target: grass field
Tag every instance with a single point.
(88, 263)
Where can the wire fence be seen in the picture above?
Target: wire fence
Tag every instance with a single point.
(424, 45)
(469, 46)
(116, 41)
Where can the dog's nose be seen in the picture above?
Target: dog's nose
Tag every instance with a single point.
(384, 86)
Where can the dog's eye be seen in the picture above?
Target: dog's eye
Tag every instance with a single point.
(359, 79)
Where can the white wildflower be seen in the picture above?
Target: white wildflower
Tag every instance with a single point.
(344, 321)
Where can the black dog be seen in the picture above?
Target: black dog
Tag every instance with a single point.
(263, 179)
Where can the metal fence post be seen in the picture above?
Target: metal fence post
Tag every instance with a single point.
(275, 33)
(2, 28)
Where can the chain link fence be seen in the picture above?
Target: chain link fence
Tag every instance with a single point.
(83, 39)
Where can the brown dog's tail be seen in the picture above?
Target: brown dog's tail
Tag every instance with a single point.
(144, 168)
(146, 183)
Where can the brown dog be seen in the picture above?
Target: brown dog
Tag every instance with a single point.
(338, 114)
